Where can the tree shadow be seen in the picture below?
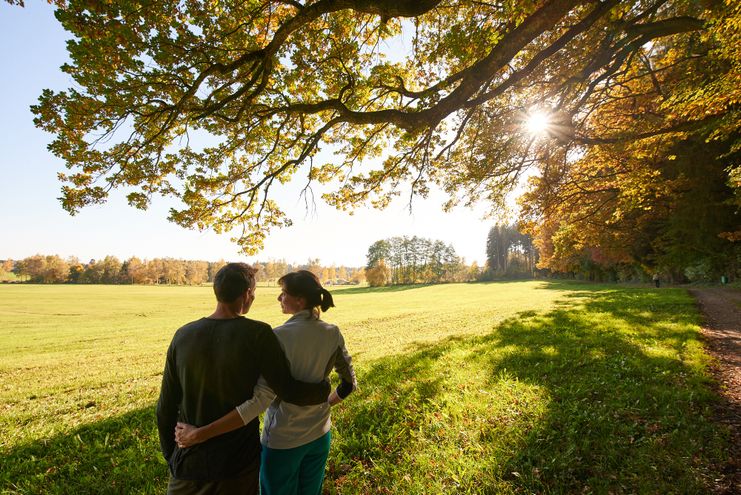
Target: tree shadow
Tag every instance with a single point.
(114, 456)
(374, 290)
(616, 413)
(621, 413)
(402, 383)
(401, 288)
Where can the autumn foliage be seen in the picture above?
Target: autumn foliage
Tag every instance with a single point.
(666, 203)
(219, 104)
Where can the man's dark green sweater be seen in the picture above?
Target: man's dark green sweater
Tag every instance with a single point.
(212, 366)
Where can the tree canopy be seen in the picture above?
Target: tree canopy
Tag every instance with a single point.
(667, 202)
(403, 94)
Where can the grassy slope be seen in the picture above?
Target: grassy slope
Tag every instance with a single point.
(483, 388)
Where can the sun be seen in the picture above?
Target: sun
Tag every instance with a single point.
(537, 122)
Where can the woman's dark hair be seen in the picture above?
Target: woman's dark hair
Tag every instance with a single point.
(305, 284)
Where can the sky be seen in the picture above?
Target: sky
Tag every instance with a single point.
(33, 221)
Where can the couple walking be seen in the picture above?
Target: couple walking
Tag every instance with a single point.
(223, 370)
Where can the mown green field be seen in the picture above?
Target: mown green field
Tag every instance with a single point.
(518, 387)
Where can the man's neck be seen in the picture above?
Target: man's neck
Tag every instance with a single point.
(225, 311)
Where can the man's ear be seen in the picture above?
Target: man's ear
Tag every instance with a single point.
(245, 301)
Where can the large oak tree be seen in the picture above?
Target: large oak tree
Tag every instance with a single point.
(403, 93)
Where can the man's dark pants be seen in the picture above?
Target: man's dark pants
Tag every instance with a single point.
(245, 483)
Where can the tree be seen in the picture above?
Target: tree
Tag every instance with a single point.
(666, 202)
(474, 272)
(509, 252)
(274, 269)
(379, 250)
(275, 82)
(20, 269)
(94, 273)
(172, 271)
(213, 268)
(666, 211)
(314, 265)
(6, 269)
(498, 245)
(76, 269)
(33, 268)
(196, 272)
(378, 275)
(56, 270)
(358, 276)
(134, 271)
(111, 270)
(50, 269)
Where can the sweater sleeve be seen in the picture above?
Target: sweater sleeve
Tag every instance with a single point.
(261, 399)
(168, 405)
(344, 368)
(275, 368)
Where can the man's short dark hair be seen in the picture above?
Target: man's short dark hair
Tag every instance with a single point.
(232, 280)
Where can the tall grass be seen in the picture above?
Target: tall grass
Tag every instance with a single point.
(523, 387)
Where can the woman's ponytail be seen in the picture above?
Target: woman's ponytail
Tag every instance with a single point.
(327, 301)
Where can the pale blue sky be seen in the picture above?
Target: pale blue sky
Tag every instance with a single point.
(33, 49)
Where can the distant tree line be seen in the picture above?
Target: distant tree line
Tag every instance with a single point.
(52, 269)
(415, 260)
(271, 271)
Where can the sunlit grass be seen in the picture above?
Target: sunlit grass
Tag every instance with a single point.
(522, 387)
(600, 395)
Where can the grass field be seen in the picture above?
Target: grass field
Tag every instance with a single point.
(520, 387)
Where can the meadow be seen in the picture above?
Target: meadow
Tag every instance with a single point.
(489, 388)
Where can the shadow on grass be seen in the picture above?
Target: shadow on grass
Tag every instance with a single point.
(373, 290)
(401, 288)
(620, 380)
(114, 456)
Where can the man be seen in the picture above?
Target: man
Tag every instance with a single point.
(212, 366)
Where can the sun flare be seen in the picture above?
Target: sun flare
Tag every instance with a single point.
(537, 122)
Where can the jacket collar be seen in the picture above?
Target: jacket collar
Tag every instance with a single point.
(301, 315)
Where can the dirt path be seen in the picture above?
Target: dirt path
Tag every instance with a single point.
(722, 329)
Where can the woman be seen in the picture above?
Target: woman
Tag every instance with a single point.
(295, 438)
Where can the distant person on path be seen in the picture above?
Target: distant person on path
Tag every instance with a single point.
(657, 280)
(213, 365)
(295, 439)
